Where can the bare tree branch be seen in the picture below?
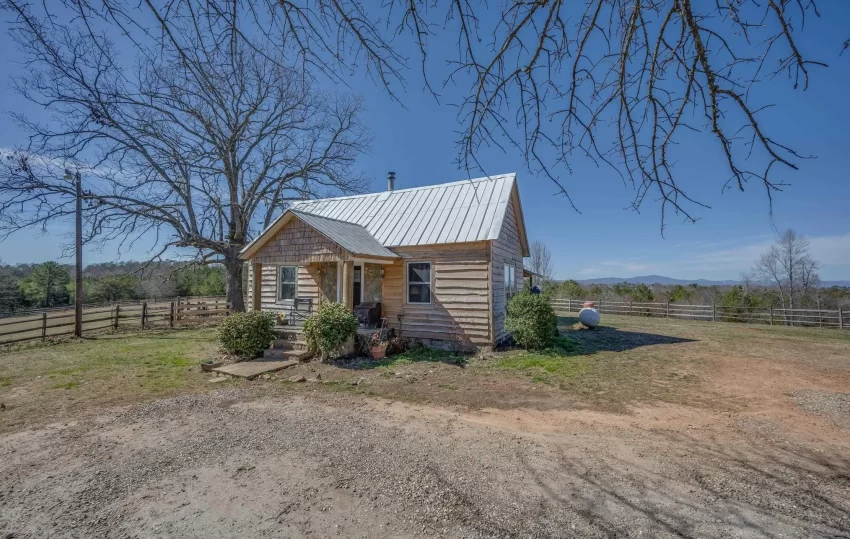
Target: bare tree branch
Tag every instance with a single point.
(198, 140)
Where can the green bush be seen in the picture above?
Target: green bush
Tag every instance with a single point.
(531, 321)
(247, 334)
(329, 328)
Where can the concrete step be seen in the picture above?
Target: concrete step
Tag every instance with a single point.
(292, 334)
(289, 344)
(297, 355)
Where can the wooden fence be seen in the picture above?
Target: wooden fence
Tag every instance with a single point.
(143, 314)
(827, 318)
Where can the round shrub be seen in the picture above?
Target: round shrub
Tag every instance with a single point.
(531, 321)
(247, 334)
(329, 328)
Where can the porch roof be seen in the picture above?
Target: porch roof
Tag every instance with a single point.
(350, 236)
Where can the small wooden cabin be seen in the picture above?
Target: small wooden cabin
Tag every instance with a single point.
(441, 260)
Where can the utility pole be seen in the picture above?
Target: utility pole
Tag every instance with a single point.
(78, 284)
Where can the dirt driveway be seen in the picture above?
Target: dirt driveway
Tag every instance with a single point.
(645, 428)
(235, 463)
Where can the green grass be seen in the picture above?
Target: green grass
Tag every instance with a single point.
(421, 354)
(559, 362)
(109, 369)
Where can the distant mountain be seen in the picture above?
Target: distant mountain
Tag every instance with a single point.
(660, 279)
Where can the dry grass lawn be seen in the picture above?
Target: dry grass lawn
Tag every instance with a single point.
(627, 363)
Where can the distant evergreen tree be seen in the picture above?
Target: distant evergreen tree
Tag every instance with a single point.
(47, 285)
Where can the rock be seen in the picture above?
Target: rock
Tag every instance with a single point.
(266, 377)
(2, 405)
(217, 379)
(297, 378)
(319, 376)
(410, 379)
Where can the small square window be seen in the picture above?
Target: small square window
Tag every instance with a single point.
(419, 282)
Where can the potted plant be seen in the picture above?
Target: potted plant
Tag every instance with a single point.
(378, 344)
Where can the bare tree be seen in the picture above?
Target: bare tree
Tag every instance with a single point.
(789, 266)
(619, 82)
(193, 136)
(540, 262)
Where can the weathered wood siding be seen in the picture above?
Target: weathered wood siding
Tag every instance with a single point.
(308, 287)
(459, 313)
(505, 250)
(296, 242)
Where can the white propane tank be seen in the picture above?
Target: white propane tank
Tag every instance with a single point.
(589, 316)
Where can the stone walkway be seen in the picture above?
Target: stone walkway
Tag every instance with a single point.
(256, 367)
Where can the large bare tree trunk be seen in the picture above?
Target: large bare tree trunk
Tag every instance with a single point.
(235, 295)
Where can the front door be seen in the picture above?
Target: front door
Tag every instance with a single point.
(358, 284)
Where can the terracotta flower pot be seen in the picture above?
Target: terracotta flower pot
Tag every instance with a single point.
(378, 351)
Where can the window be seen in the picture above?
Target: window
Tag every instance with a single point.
(288, 282)
(419, 282)
(510, 281)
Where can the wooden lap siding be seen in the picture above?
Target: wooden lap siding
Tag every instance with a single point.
(459, 309)
(505, 250)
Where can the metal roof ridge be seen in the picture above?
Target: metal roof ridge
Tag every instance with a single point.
(421, 187)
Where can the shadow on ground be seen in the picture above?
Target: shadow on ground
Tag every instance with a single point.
(419, 354)
(608, 339)
(722, 489)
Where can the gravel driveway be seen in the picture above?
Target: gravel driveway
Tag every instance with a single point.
(227, 464)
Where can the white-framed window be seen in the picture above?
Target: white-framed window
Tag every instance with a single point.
(510, 281)
(287, 287)
(419, 282)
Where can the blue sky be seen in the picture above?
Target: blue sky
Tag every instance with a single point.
(417, 141)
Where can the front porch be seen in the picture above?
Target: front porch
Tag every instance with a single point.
(304, 260)
(294, 290)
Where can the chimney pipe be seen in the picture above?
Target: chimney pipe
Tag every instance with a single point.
(390, 181)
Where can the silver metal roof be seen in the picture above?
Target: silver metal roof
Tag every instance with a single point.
(468, 210)
(352, 237)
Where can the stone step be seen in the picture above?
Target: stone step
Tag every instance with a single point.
(277, 353)
(289, 344)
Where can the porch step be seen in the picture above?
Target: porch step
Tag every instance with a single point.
(289, 344)
(289, 333)
(278, 353)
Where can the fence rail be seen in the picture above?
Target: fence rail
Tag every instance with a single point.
(159, 313)
(827, 318)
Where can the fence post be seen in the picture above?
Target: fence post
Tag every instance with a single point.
(771, 315)
(43, 326)
(171, 316)
(569, 305)
(840, 318)
(714, 311)
(631, 311)
(600, 306)
(144, 313)
(668, 309)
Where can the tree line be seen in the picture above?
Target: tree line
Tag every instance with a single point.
(743, 297)
(785, 276)
(50, 284)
